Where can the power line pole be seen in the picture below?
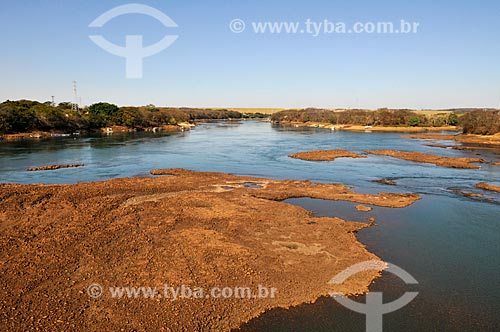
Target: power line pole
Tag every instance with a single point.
(74, 105)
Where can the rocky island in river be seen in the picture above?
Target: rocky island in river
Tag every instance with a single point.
(183, 228)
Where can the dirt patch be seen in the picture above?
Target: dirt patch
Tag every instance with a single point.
(57, 240)
(487, 186)
(363, 208)
(325, 155)
(430, 158)
(53, 167)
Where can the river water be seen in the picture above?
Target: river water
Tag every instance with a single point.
(448, 242)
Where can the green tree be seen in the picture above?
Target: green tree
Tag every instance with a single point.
(413, 121)
(102, 114)
(130, 117)
(17, 116)
(105, 109)
(95, 121)
(48, 117)
(65, 105)
(453, 119)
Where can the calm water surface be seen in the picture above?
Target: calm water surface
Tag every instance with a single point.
(448, 242)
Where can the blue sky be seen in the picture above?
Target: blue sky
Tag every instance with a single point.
(453, 60)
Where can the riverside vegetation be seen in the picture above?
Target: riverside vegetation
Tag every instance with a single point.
(24, 116)
(28, 116)
(473, 121)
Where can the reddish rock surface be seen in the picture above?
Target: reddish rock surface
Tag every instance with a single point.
(189, 228)
(53, 167)
(363, 208)
(429, 158)
(325, 155)
(487, 186)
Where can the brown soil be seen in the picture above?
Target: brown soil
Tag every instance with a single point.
(53, 167)
(430, 158)
(363, 208)
(462, 138)
(497, 163)
(487, 186)
(325, 155)
(193, 228)
(387, 182)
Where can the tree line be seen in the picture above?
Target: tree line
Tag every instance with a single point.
(380, 117)
(27, 116)
(481, 122)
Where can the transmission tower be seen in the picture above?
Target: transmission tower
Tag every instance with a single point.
(74, 105)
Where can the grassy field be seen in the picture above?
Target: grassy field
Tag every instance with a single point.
(257, 110)
(274, 110)
(431, 112)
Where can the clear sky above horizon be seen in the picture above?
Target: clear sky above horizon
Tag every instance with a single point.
(453, 60)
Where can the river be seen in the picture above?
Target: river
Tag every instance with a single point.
(450, 243)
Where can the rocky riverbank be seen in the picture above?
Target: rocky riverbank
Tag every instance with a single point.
(60, 244)
(53, 167)
(402, 129)
(430, 158)
(325, 155)
(487, 186)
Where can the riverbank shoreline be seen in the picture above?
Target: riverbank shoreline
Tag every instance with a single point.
(105, 130)
(359, 128)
